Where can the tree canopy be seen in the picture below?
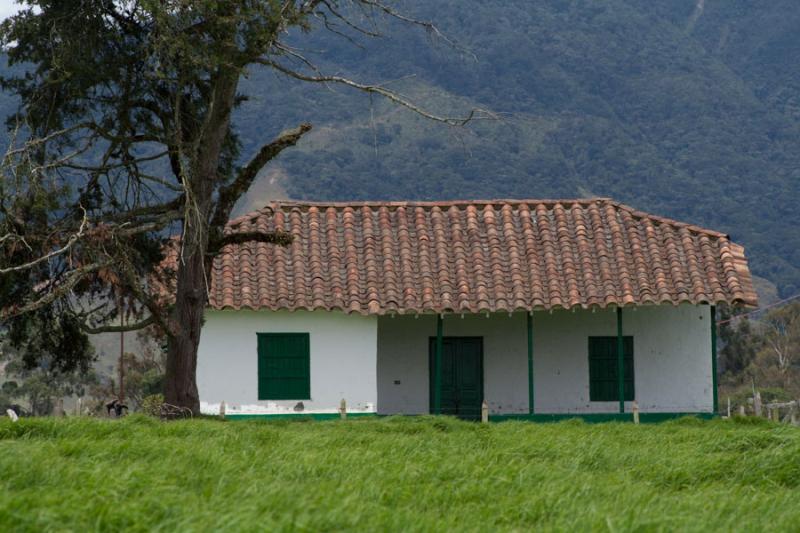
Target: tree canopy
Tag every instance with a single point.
(124, 145)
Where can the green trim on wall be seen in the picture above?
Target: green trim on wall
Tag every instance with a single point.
(620, 362)
(437, 367)
(591, 418)
(715, 392)
(530, 363)
(600, 417)
(297, 416)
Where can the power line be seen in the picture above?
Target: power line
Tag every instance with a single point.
(760, 309)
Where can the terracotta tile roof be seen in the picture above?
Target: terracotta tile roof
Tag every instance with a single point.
(475, 256)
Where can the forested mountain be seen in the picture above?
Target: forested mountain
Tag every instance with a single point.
(685, 108)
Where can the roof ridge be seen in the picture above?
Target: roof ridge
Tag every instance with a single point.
(434, 203)
(637, 213)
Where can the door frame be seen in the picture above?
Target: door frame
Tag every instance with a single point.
(431, 348)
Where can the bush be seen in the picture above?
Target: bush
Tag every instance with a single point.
(151, 405)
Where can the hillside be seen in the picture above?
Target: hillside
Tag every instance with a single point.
(685, 108)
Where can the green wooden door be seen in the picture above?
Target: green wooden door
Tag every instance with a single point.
(462, 376)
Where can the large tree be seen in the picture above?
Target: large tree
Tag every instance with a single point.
(124, 139)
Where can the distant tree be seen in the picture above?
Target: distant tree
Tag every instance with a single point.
(44, 368)
(124, 138)
(739, 343)
(781, 348)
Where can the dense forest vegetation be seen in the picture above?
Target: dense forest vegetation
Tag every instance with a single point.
(685, 108)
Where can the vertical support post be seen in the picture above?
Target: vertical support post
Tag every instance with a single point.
(530, 363)
(620, 362)
(484, 412)
(715, 401)
(121, 353)
(343, 409)
(437, 370)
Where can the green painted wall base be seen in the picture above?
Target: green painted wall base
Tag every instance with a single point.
(297, 416)
(645, 418)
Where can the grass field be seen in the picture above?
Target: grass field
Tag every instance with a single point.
(393, 474)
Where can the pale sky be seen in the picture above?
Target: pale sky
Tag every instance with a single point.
(8, 7)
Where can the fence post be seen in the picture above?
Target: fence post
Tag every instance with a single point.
(635, 412)
(343, 409)
(484, 412)
(757, 403)
(58, 408)
(222, 409)
(741, 411)
(729, 406)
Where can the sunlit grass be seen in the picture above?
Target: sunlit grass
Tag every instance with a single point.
(417, 474)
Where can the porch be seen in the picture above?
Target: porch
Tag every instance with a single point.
(548, 365)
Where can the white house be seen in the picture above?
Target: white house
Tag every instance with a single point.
(433, 307)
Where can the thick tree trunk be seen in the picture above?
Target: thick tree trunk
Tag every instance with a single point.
(191, 295)
(180, 386)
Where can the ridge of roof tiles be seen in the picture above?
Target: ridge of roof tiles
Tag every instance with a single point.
(475, 257)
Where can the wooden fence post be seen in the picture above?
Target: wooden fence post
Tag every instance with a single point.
(635, 412)
(485, 412)
(729, 406)
(343, 409)
(222, 409)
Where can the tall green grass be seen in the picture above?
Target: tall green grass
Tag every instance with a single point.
(396, 474)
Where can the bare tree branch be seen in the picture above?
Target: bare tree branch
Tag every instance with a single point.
(474, 114)
(61, 290)
(274, 237)
(230, 194)
(72, 240)
(149, 321)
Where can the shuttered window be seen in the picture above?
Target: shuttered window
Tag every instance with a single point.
(603, 385)
(284, 366)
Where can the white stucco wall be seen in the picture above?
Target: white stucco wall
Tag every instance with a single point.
(342, 358)
(672, 359)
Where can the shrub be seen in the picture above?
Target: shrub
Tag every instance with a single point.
(151, 405)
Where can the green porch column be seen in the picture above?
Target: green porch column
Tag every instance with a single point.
(620, 362)
(530, 363)
(714, 357)
(437, 370)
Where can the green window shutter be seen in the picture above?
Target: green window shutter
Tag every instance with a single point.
(603, 385)
(284, 366)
